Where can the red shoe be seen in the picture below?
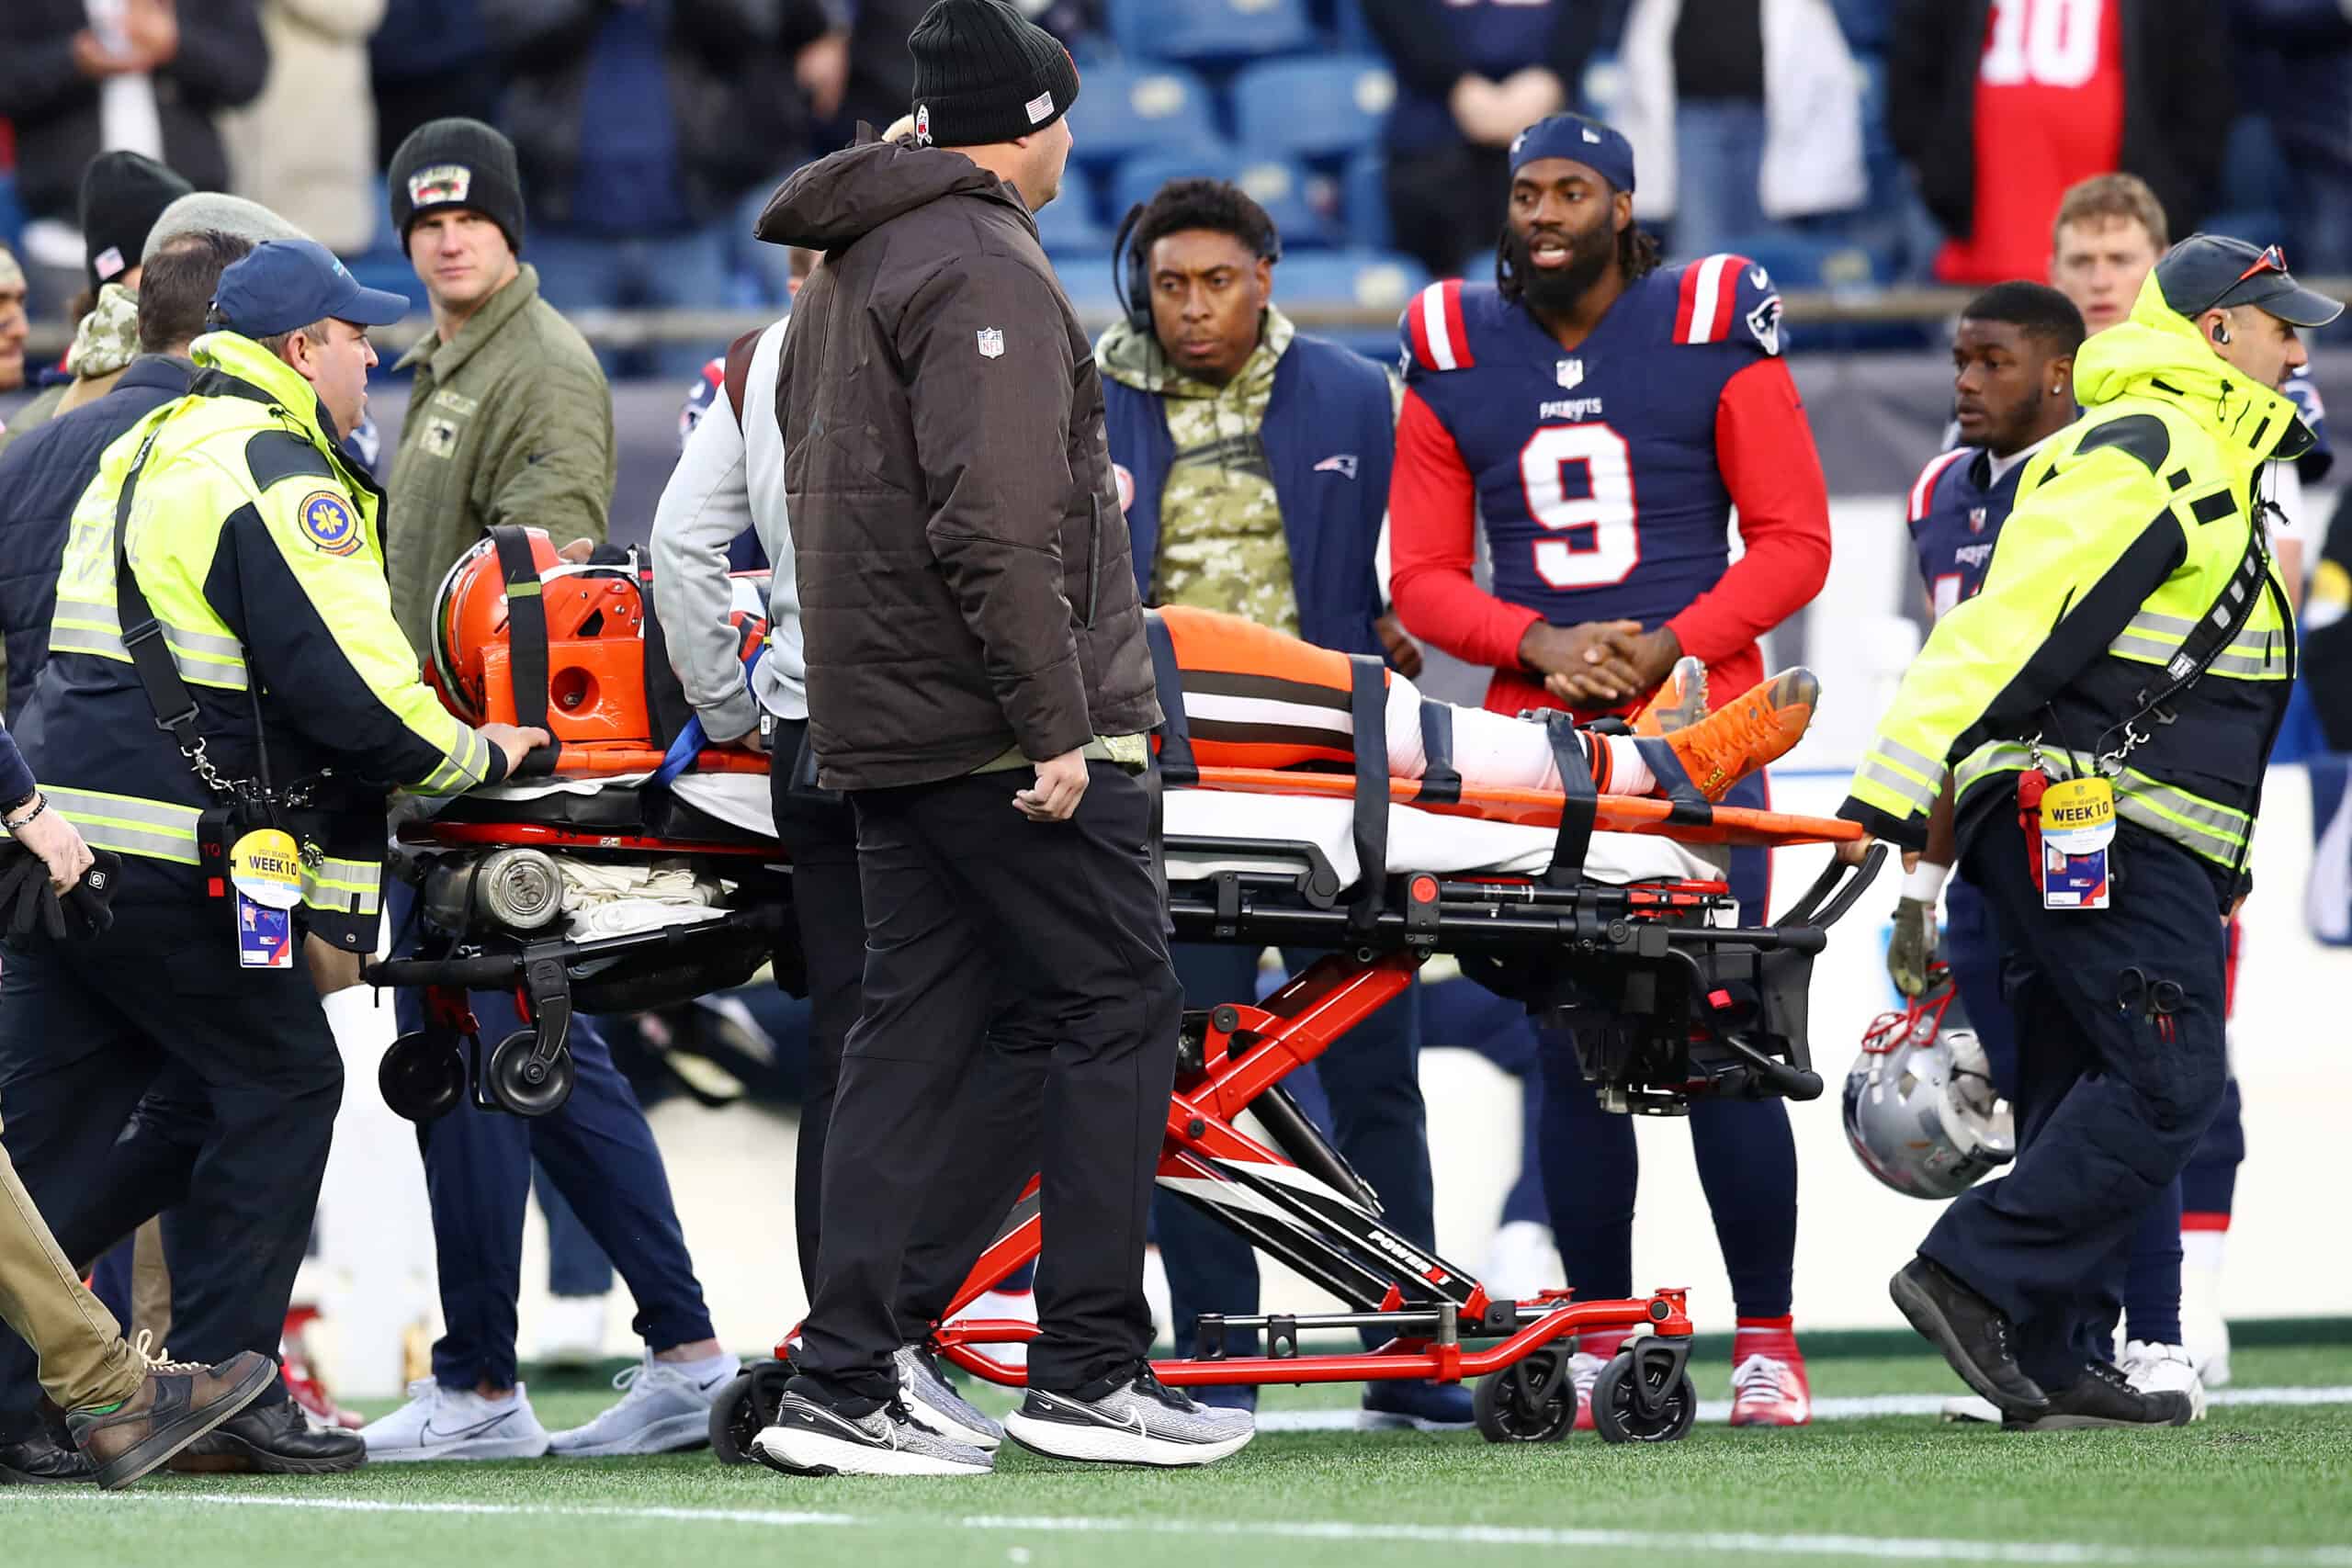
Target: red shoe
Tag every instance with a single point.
(1594, 1349)
(1769, 1386)
(303, 1384)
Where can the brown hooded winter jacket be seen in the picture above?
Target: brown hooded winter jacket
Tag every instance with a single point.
(966, 585)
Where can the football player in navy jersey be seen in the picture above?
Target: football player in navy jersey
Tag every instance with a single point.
(1603, 415)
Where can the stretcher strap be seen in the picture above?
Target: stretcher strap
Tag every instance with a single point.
(1177, 768)
(1368, 703)
(526, 643)
(1579, 800)
(1440, 781)
(1689, 805)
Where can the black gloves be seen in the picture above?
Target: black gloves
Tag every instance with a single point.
(28, 904)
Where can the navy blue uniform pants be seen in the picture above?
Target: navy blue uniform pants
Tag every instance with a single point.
(144, 1070)
(1371, 1081)
(596, 1150)
(2111, 1098)
(2146, 1288)
(1747, 1156)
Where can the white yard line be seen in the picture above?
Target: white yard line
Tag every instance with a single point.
(1853, 1409)
(1913, 1549)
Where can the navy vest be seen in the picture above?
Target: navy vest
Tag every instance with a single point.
(1330, 435)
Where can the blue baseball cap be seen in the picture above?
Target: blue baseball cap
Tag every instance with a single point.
(286, 283)
(1587, 141)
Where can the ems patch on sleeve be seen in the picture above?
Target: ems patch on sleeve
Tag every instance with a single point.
(326, 521)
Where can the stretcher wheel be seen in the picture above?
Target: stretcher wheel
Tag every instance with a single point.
(422, 1077)
(522, 1083)
(1532, 1401)
(1633, 1403)
(743, 1407)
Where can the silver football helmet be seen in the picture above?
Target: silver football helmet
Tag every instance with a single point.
(1920, 1108)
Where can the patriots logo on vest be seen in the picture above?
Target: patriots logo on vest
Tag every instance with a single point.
(326, 521)
(1570, 373)
(439, 183)
(1337, 463)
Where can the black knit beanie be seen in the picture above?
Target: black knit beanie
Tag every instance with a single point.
(123, 195)
(984, 74)
(456, 163)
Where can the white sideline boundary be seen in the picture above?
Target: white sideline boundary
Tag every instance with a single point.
(1856, 1408)
(1889, 1548)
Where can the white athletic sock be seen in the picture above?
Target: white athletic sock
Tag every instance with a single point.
(1628, 774)
(2202, 1249)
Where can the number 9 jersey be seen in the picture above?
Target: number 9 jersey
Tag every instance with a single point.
(1605, 475)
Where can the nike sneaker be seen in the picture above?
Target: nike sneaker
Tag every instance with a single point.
(664, 1408)
(933, 1401)
(1138, 1422)
(1679, 701)
(1769, 1387)
(810, 1438)
(2165, 1368)
(1758, 727)
(453, 1422)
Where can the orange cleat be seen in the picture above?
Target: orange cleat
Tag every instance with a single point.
(1679, 701)
(1769, 1385)
(1758, 728)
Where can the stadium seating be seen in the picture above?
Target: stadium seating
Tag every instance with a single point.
(1312, 108)
(1124, 109)
(1211, 32)
(1363, 201)
(1372, 280)
(1067, 225)
(1274, 183)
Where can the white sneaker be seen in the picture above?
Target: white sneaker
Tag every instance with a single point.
(570, 1332)
(450, 1423)
(1971, 1407)
(2164, 1369)
(933, 1403)
(1139, 1422)
(1520, 1261)
(662, 1409)
(810, 1439)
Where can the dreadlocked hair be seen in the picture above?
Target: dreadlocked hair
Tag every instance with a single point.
(1637, 256)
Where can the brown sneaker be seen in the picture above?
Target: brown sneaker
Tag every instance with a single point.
(179, 1403)
(1743, 736)
(1679, 701)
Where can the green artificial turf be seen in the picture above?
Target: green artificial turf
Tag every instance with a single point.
(2263, 1483)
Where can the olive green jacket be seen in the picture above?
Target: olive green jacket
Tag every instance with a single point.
(509, 422)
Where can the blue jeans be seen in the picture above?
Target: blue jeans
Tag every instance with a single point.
(1718, 161)
(587, 271)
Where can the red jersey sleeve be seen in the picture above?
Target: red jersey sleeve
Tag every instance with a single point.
(1765, 449)
(1433, 544)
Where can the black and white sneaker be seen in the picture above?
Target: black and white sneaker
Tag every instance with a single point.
(810, 1440)
(933, 1403)
(1139, 1422)
(2105, 1396)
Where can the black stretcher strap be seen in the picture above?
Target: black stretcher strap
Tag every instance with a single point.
(142, 635)
(1579, 800)
(1368, 706)
(1440, 781)
(1689, 805)
(1176, 768)
(526, 643)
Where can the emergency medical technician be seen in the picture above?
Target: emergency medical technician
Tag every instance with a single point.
(226, 704)
(2107, 703)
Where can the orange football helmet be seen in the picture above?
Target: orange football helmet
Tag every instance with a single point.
(595, 632)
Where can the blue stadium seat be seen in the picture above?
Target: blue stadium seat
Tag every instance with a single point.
(1122, 110)
(389, 271)
(1274, 183)
(1067, 226)
(1363, 201)
(1354, 34)
(1211, 32)
(2261, 225)
(1799, 259)
(1370, 280)
(1313, 108)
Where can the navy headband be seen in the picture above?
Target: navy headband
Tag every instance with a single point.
(1587, 141)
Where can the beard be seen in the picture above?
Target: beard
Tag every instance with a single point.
(1559, 288)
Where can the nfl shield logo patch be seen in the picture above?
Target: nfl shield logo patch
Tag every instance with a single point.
(1976, 520)
(991, 343)
(1570, 373)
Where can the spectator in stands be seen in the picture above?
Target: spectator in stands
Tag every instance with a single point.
(16, 327)
(1999, 105)
(79, 77)
(2297, 55)
(638, 128)
(1258, 461)
(123, 195)
(431, 60)
(1741, 113)
(1470, 77)
(307, 144)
